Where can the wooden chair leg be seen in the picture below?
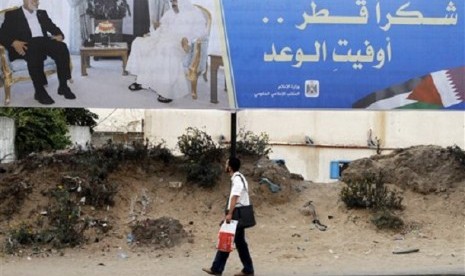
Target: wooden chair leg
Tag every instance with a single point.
(7, 94)
(205, 78)
(194, 88)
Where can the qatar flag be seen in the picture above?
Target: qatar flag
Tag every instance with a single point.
(438, 90)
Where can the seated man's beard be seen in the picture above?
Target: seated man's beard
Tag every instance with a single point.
(175, 9)
(32, 7)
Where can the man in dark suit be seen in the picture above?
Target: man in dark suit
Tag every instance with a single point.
(25, 34)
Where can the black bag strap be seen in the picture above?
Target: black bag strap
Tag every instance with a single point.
(243, 182)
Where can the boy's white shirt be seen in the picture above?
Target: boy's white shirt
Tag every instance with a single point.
(238, 189)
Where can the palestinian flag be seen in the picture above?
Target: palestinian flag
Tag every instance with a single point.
(438, 90)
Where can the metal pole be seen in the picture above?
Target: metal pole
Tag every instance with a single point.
(233, 133)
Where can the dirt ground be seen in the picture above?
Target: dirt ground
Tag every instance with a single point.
(284, 242)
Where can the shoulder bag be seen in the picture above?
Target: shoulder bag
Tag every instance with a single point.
(244, 214)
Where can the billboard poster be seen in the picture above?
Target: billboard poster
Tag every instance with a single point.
(312, 54)
(144, 54)
(359, 54)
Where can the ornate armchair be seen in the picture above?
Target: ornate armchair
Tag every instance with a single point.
(12, 72)
(196, 61)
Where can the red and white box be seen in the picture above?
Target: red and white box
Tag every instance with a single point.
(226, 236)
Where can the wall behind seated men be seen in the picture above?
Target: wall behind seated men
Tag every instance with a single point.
(59, 11)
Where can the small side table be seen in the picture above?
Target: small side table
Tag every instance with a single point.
(115, 49)
(215, 62)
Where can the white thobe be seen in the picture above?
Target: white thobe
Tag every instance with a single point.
(157, 60)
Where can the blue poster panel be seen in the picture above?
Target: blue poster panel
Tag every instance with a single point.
(346, 54)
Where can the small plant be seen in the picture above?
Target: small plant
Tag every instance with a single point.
(60, 228)
(203, 157)
(206, 175)
(23, 235)
(161, 152)
(370, 192)
(99, 194)
(64, 220)
(458, 153)
(384, 219)
(196, 144)
(249, 143)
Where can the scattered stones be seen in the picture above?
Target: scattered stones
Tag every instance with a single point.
(175, 184)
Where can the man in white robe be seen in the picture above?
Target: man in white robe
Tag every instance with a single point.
(156, 60)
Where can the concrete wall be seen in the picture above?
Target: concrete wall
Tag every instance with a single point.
(119, 120)
(337, 135)
(80, 136)
(7, 140)
(101, 138)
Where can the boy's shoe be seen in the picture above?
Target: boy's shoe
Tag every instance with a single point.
(209, 271)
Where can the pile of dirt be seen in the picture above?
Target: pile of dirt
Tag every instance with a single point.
(113, 200)
(13, 195)
(423, 169)
(114, 192)
(276, 183)
(164, 232)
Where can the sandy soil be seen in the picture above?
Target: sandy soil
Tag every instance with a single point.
(284, 242)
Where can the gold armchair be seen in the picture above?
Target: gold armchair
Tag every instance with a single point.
(197, 60)
(15, 71)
